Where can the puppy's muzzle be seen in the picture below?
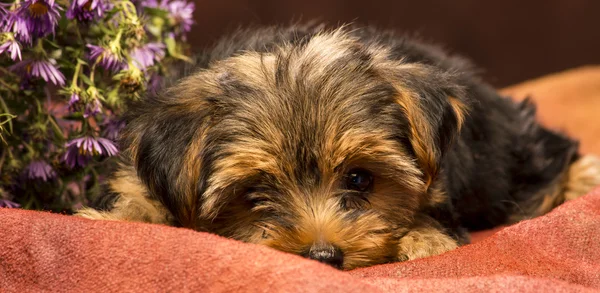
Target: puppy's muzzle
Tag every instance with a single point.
(326, 253)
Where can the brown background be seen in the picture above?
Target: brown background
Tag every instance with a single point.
(509, 40)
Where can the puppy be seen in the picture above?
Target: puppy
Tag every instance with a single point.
(351, 146)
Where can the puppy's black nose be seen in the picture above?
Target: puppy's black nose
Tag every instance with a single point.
(326, 253)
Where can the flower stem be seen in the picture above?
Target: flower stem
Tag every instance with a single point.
(7, 72)
(6, 113)
(76, 74)
(39, 48)
(2, 158)
(93, 71)
(8, 86)
(115, 45)
(129, 9)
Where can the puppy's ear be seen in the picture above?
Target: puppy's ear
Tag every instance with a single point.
(164, 138)
(434, 103)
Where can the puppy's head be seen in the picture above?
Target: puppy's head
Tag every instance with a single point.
(326, 148)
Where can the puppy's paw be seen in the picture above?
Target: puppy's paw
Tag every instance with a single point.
(424, 242)
(93, 214)
(583, 176)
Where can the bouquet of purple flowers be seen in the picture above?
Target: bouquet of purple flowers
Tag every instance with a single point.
(67, 71)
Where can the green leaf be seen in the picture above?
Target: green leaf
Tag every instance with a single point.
(56, 54)
(77, 116)
(86, 80)
(112, 98)
(155, 27)
(111, 13)
(156, 12)
(56, 128)
(71, 50)
(52, 43)
(63, 22)
(172, 48)
(171, 45)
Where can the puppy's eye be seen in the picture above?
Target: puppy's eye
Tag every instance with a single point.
(359, 180)
(257, 198)
(253, 196)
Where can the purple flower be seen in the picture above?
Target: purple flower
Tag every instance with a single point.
(74, 99)
(151, 3)
(146, 55)
(10, 21)
(87, 10)
(73, 92)
(5, 203)
(11, 45)
(80, 150)
(112, 129)
(92, 108)
(45, 69)
(41, 16)
(106, 58)
(182, 14)
(26, 84)
(40, 170)
(146, 3)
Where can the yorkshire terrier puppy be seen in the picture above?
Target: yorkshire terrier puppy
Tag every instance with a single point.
(350, 146)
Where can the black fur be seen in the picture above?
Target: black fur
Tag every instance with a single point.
(499, 160)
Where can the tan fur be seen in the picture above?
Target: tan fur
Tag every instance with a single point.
(190, 172)
(423, 242)
(367, 232)
(460, 109)
(583, 176)
(421, 136)
(260, 184)
(132, 204)
(436, 196)
(321, 217)
(364, 242)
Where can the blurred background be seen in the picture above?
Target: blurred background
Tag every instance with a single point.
(510, 41)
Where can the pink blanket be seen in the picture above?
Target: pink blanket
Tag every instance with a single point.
(48, 252)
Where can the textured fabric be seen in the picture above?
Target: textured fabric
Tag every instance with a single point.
(555, 253)
(49, 252)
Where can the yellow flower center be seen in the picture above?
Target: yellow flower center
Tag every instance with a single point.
(38, 9)
(84, 152)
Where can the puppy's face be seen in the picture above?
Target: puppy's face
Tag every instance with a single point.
(325, 149)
